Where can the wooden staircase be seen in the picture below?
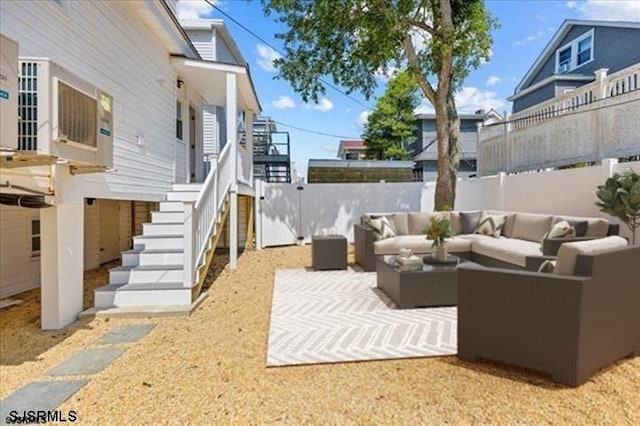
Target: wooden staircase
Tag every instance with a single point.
(152, 273)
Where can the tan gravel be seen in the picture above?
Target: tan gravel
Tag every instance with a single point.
(209, 368)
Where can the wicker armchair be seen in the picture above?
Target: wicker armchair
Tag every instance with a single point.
(568, 326)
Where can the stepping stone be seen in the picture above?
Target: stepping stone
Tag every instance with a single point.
(43, 396)
(89, 361)
(126, 334)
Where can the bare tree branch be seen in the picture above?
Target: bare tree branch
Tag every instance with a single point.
(414, 64)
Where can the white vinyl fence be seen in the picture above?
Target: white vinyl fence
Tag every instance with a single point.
(288, 215)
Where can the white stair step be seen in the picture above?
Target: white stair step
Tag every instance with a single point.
(190, 187)
(161, 257)
(156, 242)
(167, 217)
(131, 257)
(151, 229)
(142, 294)
(171, 206)
(182, 196)
(146, 274)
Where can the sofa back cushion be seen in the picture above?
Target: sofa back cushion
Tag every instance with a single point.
(469, 222)
(507, 229)
(419, 221)
(596, 226)
(400, 221)
(531, 227)
(569, 252)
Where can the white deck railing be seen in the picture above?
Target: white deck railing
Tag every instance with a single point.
(592, 122)
(200, 217)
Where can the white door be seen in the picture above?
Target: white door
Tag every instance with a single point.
(279, 214)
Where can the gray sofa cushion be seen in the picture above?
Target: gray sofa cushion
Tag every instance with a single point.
(419, 221)
(418, 244)
(508, 250)
(568, 253)
(400, 220)
(531, 227)
(469, 221)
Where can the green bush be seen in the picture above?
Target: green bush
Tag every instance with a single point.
(620, 197)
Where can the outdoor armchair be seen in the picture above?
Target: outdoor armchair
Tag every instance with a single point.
(568, 326)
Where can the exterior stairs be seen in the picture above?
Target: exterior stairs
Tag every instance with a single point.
(152, 273)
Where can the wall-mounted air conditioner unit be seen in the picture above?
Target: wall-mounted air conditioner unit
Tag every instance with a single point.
(64, 116)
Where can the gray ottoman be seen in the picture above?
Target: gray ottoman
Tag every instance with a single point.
(328, 252)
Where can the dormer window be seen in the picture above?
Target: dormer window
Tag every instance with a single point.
(575, 54)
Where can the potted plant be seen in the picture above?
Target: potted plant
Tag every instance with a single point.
(438, 231)
(620, 197)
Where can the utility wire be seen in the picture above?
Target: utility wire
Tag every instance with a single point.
(315, 131)
(323, 81)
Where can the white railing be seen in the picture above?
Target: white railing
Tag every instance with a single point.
(200, 217)
(594, 121)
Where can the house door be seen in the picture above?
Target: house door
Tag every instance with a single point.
(109, 217)
(192, 144)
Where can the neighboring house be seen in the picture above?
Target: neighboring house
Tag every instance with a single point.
(574, 53)
(352, 171)
(425, 149)
(118, 127)
(352, 150)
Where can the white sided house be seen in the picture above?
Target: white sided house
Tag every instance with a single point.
(109, 104)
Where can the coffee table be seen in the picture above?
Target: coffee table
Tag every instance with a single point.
(420, 287)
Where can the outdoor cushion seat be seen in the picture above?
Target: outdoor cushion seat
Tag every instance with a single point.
(508, 250)
(418, 244)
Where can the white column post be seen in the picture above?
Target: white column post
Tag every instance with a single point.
(601, 81)
(479, 150)
(232, 138)
(62, 252)
(501, 188)
(248, 125)
(258, 215)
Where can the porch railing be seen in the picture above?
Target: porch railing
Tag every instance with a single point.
(200, 217)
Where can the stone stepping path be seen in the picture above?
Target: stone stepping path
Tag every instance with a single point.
(47, 396)
(42, 396)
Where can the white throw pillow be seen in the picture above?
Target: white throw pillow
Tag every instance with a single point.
(561, 229)
(491, 225)
(381, 225)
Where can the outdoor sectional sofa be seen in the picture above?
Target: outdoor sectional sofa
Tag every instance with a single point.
(521, 239)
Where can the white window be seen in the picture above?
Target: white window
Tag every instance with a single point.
(179, 126)
(575, 54)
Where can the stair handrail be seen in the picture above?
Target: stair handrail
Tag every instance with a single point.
(200, 216)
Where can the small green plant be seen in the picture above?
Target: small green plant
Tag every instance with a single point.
(438, 231)
(620, 197)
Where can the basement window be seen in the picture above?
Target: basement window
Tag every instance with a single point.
(35, 238)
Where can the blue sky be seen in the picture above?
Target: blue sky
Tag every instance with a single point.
(526, 27)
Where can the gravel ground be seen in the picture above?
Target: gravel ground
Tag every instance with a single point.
(209, 368)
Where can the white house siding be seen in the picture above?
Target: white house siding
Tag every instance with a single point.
(19, 271)
(204, 42)
(223, 54)
(109, 46)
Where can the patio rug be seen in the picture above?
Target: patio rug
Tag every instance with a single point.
(338, 316)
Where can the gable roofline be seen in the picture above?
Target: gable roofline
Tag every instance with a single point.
(221, 29)
(564, 29)
(479, 117)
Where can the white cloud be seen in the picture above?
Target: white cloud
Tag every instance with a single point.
(324, 105)
(493, 80)
(387, 74)
(607, 10)
(266, 56)
(471, 99)
(363, 118)
(529, 39)
(193, 9)
(425, 107)
(283, 102)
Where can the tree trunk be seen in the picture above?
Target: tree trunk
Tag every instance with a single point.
(454, 140)
(444, 193)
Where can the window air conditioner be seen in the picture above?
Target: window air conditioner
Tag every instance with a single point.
(62, 115)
